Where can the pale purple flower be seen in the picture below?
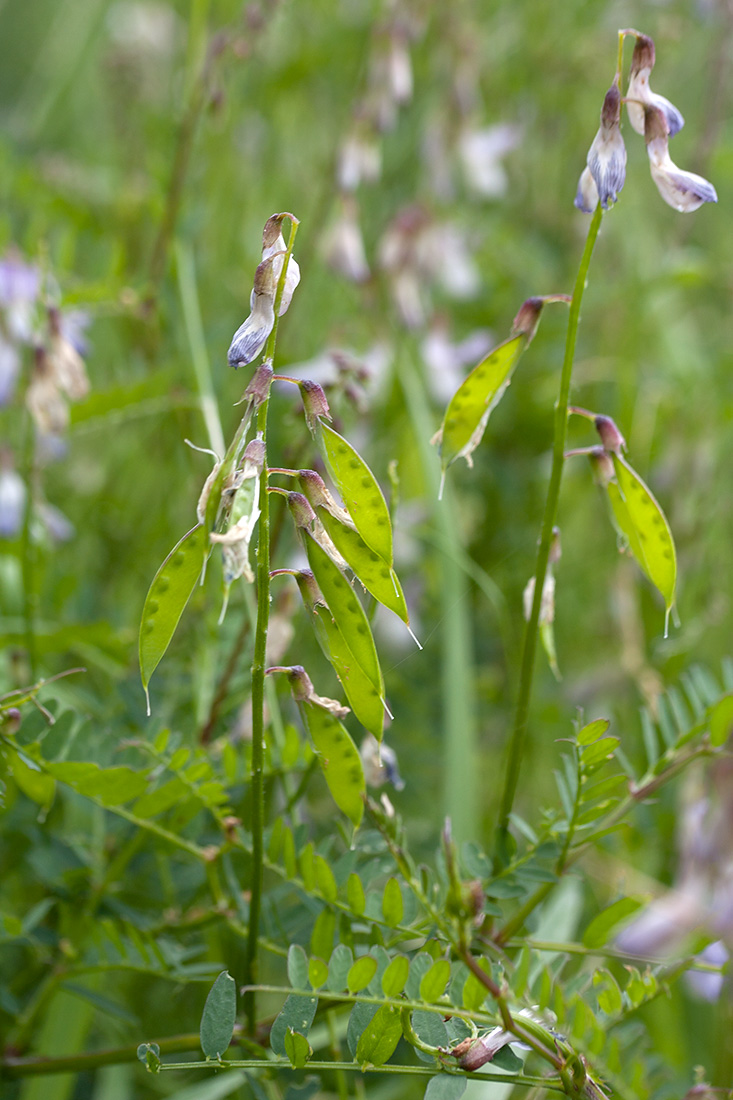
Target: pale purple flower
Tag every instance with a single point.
(12, 498)
(682, 190)
(705, 983)
(20, 284)
(9, 369)
(639, 95)
(59, 527)
(606, 159)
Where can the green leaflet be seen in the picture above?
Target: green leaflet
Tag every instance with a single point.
(432, 986)
(297, 967)
(446, 1087)
(644, 526)
(339, 758)
(371, 569)
(217, 1020)
(359, 491)
(598, 932)
(355, 894)
(392, 904)
(33, 781)
(380, 1037)
(297, 1048)
(361, 973)
(471, 405)
(110, 786)
(346, 610)
(395, 976)
(167, 597)
(297, 1014)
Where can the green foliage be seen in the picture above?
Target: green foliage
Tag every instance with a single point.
(244, 838)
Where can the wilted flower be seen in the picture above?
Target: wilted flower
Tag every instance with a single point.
(684, 191)
(65, 361)
(343, 244)
(606, 170)
(273, 245)
(48, 408)
(639, 95)
(244, 513)
(471, 1054)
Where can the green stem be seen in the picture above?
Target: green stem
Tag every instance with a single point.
(527, 1080)
(257, 769)
(77, 1063)
(29, 551)
(529, 642)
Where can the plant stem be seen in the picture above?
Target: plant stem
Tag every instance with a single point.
(529, 642)
(258, 673)
(77, 1063)
(29, 551)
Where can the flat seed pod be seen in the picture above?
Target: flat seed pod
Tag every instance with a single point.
(471, 405)
(168, 595)
(339, 758)
(364, 699)
(346, 610)
(359, 491)
(371, 569)
(643, 523)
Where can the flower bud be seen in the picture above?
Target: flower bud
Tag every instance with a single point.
(254, 454)
(314, 401)
(258, 389)
(309, 590)
(300, 510)
(10, 720)
(602, 465)
(611, 438)
(528, 318)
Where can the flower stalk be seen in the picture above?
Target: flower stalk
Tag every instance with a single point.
(529, 642)
(258, 670)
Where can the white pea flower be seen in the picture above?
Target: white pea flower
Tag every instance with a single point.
(251, 337)
(685, 191)
(640, 95)
(605, 173)
(343, 244)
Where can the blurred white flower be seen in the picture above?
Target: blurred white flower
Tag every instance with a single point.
(445, 359)
(150, 28)
(9, 369)
(359, 160)
(58, 526)
(639, 95)
(343, 244)
(481, 152)
(682, 190)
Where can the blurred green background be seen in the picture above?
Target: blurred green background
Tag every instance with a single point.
(143, 146)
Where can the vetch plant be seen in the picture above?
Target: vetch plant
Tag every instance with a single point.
(355, 955)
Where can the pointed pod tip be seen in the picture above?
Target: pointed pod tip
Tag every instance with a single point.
(413, 635)
(147, 699)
